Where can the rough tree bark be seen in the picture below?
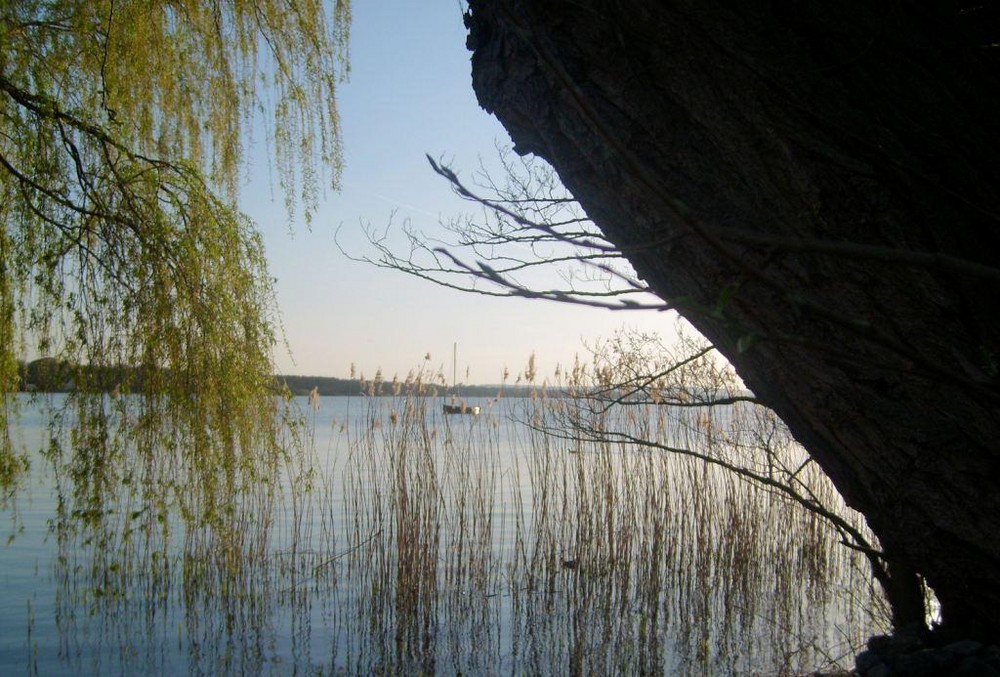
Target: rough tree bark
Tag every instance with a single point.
(816, 187)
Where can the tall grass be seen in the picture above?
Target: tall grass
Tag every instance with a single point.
(472, 541)
(404, 541)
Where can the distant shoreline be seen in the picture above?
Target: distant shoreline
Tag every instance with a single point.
(331, 386)
(52, 376)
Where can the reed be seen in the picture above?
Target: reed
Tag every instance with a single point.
(399, 540)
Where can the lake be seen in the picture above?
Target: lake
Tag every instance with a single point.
(401, 540)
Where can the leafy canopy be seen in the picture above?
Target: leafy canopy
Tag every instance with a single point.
(122, 126)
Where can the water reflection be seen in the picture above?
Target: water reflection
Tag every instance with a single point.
(397, 540)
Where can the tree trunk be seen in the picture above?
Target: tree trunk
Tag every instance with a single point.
(816, 187)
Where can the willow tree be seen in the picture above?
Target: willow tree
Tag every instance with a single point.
(122, 128)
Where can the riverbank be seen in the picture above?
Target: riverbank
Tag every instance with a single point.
(927, 653)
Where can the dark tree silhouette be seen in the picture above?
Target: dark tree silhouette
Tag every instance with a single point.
(815, 187)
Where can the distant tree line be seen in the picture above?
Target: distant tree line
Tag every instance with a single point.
(57, 376)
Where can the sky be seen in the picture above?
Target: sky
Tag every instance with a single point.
(410, 94)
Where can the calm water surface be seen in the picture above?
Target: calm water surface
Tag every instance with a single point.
(406, 541)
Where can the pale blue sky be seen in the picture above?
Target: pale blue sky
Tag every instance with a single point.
(410, 93)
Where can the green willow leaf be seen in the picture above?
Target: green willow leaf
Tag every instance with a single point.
(122, 256)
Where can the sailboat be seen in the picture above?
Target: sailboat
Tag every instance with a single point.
(460, 407)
